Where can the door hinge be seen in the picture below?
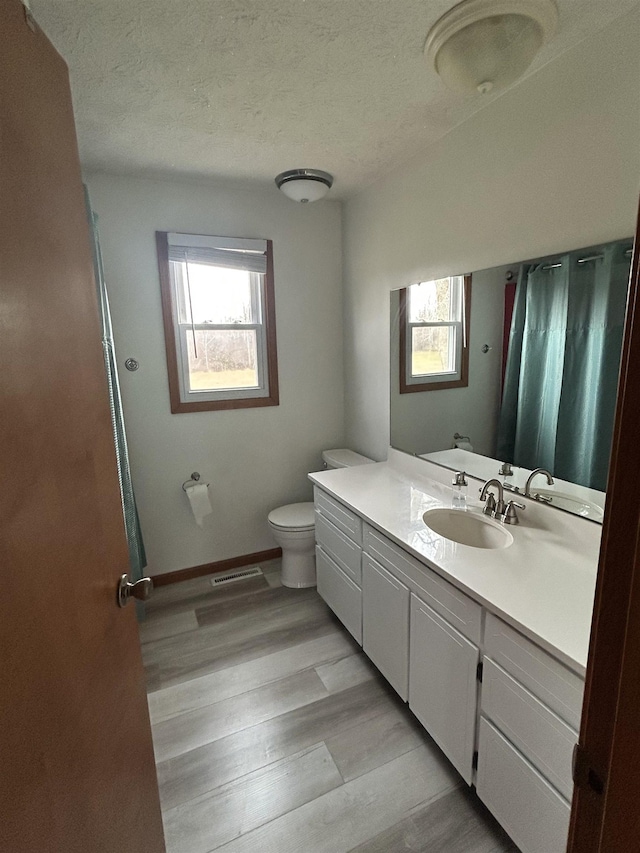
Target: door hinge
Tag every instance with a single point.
(479, 670)
(584, 776)
(474, 761)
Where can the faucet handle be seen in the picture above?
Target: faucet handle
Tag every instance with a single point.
(510, 514)
(490, 507)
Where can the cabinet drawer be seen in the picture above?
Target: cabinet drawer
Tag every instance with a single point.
(340, 593)
(456, 607)
(385, 624)
(547, 678)
(338, 514)
(344, 551)
(532, 812)
(543, 738)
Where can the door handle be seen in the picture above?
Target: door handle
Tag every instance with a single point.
(141, 589)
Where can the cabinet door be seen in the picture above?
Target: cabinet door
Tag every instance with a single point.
(385, 623)
(443, 684)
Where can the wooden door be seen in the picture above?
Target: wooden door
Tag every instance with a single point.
(605, 814)
(442, 684)
(77, 770)
(385, 624)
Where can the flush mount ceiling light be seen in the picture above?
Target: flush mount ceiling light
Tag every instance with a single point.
(304, 185)
(485, 45)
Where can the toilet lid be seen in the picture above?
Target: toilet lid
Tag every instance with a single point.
(293, 516)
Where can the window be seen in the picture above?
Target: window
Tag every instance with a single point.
(219, 321)
(434, 334)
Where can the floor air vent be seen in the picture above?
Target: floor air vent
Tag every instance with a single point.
(230, 577)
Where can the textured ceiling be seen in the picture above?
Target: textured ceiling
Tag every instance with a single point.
(243, 89)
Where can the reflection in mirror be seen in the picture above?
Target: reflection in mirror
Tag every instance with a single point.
(434, 346)
(545, 339)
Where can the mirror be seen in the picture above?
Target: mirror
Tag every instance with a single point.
(544, 349)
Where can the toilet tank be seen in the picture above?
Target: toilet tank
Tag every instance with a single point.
(342, 458)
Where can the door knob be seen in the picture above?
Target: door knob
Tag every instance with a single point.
(141, 589)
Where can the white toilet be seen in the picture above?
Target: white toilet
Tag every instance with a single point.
(293, 527)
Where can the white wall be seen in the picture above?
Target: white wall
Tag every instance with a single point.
(553, 164)
(254, 459)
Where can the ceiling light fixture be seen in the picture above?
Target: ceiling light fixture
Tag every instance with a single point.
(304, 185)
(486, 45)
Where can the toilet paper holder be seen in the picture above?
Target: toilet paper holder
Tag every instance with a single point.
(194, 478)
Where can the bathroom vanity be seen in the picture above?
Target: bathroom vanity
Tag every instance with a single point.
(487, 645)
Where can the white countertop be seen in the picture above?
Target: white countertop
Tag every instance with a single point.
(543, 583)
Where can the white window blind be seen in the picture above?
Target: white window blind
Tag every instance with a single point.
(231, 252)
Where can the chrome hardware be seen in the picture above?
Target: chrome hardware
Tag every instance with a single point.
(510, 514)
(485, 348)
(506, 470)
(490, 508)
(194, 478)
(509, 488)
(460, 479)
(493, 508)
(141, 589)
(131, 364)
(527, 487)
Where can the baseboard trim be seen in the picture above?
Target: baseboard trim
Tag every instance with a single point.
(219, 566)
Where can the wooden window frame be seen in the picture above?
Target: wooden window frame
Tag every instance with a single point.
(463, 381)
(179, 406)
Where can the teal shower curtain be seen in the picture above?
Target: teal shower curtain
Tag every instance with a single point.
(137, 556)
(561, 378)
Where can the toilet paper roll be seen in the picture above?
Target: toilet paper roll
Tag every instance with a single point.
(464, 445)
(198, 495)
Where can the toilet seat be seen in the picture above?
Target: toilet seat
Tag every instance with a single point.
(293, 517)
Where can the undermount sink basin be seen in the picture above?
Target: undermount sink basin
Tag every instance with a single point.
(467, 528)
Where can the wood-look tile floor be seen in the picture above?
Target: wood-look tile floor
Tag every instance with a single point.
(273, 733)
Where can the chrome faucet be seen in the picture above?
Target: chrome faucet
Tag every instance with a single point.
(493, 508)
(498, 509)
(527, 487)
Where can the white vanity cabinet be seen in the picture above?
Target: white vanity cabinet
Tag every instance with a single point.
(341, 594)
(443, 685)
(530, 712)
(503, 710)
(534, 815)
(339, 560)
(442, 646)
(385, 623)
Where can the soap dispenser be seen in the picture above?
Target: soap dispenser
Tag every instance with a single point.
(459, 484)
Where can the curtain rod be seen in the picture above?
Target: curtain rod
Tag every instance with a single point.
(581, 260)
